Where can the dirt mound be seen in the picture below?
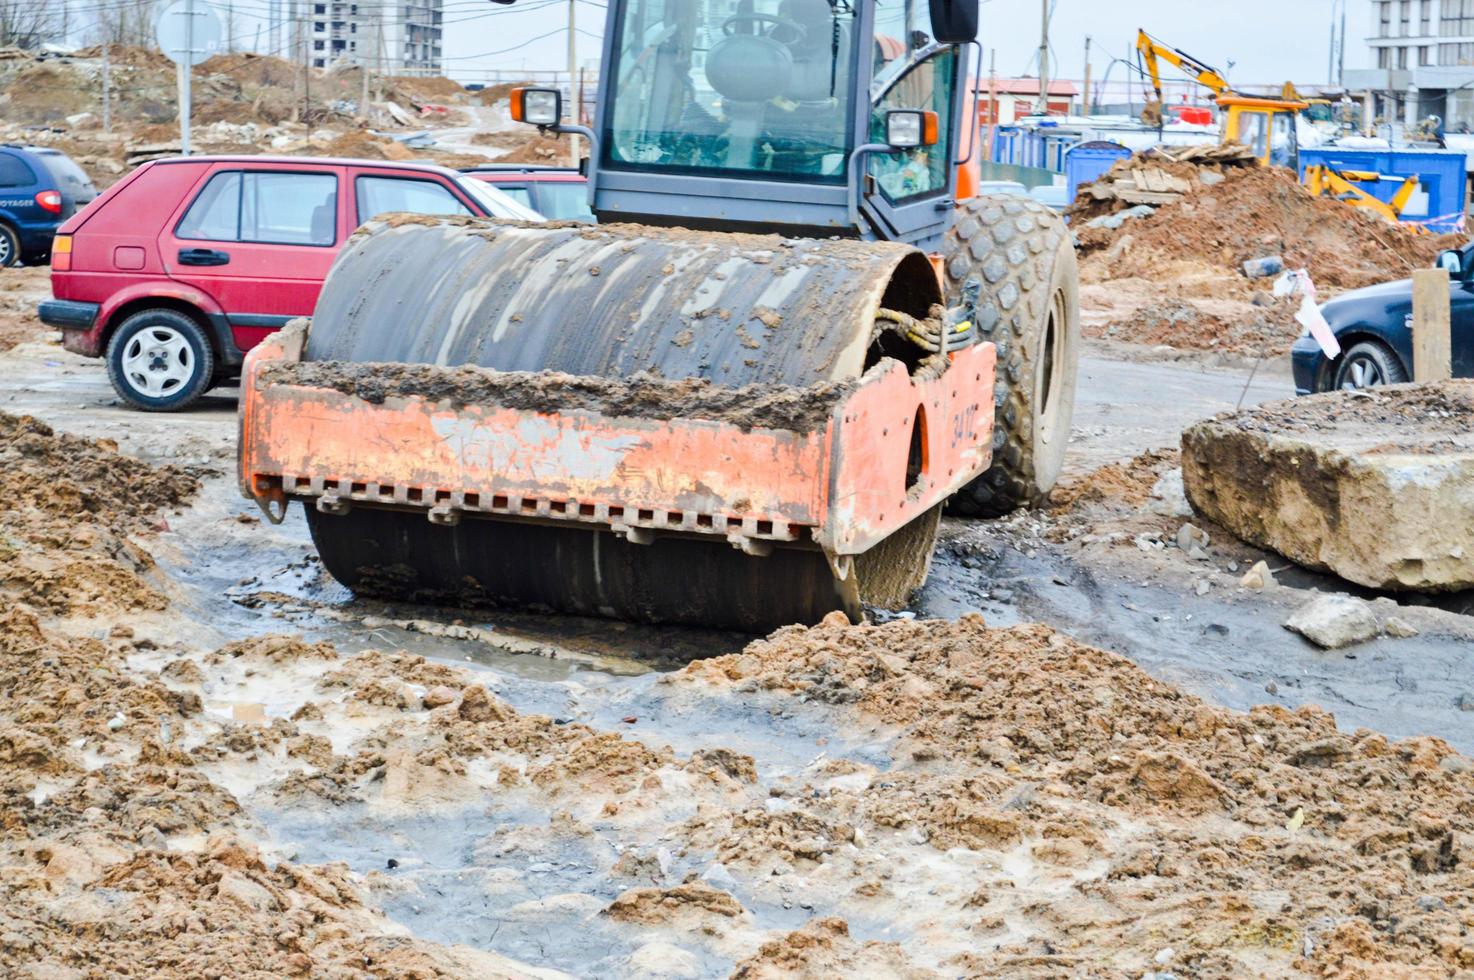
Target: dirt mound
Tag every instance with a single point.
(363, 145)
(44, 93)
(72, 505)
(253, 69)
(824, 948)
(1022, 738)
(537, 149)
(20, 292)
(437, 89)
(78, 479)
(1252, 212)
(1129, 483)
(656, 906)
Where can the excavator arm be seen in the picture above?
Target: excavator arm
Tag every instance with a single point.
(1153, 51)
(1341, 184)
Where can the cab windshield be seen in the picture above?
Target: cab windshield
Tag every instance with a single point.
(755, 88)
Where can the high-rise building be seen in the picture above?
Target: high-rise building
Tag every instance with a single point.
(1424, 56)
(397, 37)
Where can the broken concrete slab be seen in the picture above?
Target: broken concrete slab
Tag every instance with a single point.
(1334, 621)
(1374, 486)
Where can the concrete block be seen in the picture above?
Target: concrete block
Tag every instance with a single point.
(1376, 487)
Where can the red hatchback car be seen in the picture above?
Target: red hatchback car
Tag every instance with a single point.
(184, 265)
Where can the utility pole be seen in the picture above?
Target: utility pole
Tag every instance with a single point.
(363, 68)
(186, 69)
(1341, 57)
(107, 89)
(1085, 99)
(992, 100)
(573, 80)
(1044, 60)
(1330, 68)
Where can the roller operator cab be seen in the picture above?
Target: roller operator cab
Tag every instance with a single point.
(743, 398)
(765, 114)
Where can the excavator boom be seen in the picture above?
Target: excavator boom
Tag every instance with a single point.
(1152, 51)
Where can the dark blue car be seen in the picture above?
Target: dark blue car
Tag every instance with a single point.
(39, 189)
(1375, 329)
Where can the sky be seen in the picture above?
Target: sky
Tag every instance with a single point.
(1268, 41)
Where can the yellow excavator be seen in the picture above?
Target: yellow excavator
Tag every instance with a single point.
(1341, 184)
(1268, 127)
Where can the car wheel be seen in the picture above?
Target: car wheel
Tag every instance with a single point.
(9, 246)
(160, 361)
(1369, 364)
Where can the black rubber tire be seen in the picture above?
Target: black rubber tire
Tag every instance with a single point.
(200, 366)
(1374, 354)
(1029, 307)
(9, 246)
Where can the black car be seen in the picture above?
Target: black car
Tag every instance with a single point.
(1375, 329)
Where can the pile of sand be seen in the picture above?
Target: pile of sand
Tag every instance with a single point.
(1251, 213)
(1175, 277)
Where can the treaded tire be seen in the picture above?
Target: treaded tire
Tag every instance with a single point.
(197, 367)
(1381, 366)
(10, 254)
(1029, 307)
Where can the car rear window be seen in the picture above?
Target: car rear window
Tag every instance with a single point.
(68, 175)
(564, 200)
(271, 207)
(380, 195)
(14, 172)
(519, 194)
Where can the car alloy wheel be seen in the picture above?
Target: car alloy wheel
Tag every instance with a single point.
(158, 361)
(1362, 373)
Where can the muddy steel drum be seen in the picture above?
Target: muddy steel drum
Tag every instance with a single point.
(613, 301)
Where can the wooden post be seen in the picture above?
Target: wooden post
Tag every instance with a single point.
(1432, 346)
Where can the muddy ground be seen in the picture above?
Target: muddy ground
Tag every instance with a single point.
(213, 759)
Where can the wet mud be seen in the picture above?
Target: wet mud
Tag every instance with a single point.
(252, 773)
(644, 396)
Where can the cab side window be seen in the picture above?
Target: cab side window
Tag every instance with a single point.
(922, 171)
(270, 207)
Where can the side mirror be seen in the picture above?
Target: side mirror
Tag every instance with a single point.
(537, 106)
(1453, 263)
(955, 21)
(906, 129)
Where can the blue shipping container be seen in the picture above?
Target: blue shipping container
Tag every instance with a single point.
(1442, 179)
(1086, 162)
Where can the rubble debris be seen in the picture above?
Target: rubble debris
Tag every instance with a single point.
(1164, 175)
(1258, 577)
(1263, 268)
(1175, 276)
(1334, 621)
(1372, 486)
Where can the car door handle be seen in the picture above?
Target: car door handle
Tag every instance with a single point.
(203, 256)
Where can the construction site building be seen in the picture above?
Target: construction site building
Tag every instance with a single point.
(1424, 56)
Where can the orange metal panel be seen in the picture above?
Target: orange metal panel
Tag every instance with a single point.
(846, 484)
(681, 465)
(869, 498)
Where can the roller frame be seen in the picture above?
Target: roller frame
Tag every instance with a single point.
(842, 488)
